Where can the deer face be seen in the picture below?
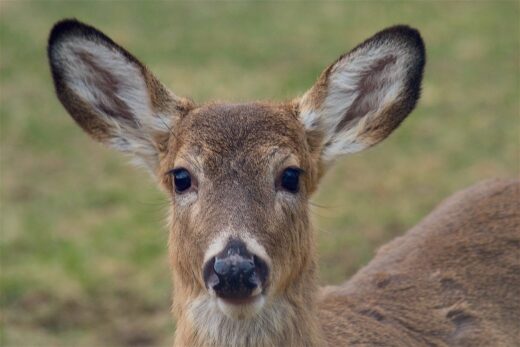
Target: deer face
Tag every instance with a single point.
(239, 175)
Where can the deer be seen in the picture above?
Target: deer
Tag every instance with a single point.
(239, 177)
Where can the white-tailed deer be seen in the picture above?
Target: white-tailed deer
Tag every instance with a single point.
(240, 176)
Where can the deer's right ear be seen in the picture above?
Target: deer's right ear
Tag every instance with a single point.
(110, 94)
(362, 97)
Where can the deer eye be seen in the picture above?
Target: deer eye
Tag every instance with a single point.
(181, 179)
(290, 179)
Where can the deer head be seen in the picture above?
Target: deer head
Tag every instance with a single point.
(239, 176)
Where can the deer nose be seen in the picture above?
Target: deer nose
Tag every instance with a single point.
(235, 274)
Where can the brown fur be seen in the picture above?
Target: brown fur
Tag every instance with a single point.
(451, 281)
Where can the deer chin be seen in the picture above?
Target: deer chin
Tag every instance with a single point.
(239, 309)
(210, 308)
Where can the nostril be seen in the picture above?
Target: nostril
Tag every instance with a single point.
(261, 270)
(212, 281)
(252, 281)
(210, 277)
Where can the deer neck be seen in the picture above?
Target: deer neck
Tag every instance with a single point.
(287, 320)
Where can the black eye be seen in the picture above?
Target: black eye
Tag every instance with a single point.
(290, 180)
(181, 179)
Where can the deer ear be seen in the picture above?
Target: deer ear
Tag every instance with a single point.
(362, 97)
(110, 94)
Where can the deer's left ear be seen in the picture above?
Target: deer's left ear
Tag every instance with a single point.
(362, 97)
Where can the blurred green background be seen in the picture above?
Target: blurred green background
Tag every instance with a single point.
(83, 242)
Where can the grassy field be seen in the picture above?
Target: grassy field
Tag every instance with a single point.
(83, 242)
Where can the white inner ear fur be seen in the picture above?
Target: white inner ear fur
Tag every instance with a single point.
(343, 90)
(107, 81)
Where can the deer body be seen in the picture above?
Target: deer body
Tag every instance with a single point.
(239, 177)
(452, 280)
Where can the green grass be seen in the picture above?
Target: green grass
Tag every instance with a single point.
(83, 243)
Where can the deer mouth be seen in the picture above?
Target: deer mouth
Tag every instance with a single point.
(241, 301)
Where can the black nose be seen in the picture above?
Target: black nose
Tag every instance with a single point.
(235, 273)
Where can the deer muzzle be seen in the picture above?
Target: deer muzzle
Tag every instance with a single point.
(235, 274)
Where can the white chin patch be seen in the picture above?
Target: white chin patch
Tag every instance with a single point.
(241, 311)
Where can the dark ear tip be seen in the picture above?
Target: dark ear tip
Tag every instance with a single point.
(406, 34)
(65, 27)
(73, 27)
(62, 29)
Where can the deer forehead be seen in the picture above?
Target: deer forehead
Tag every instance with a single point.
(251, 135)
